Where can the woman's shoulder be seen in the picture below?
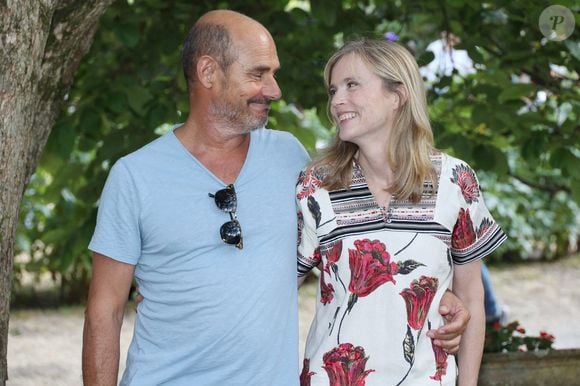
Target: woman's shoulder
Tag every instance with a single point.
(310, 180)
(448, 165)
(447, 160)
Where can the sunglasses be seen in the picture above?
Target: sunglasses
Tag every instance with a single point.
(231, 231)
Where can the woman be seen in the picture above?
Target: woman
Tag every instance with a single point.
(392, 223)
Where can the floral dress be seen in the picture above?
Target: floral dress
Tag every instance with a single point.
(383, 273)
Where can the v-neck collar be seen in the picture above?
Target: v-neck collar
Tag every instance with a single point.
(358, 173)
(206, 170)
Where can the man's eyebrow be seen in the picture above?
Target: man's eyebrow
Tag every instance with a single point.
(264, 68)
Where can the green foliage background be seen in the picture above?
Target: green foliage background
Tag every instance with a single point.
(522, 138)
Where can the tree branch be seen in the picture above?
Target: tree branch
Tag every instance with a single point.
(551, 189)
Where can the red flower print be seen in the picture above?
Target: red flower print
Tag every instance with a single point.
(306, 374)
(314, 260)
(326, 291)
(345, 365)
(464, 177)
(370, 266)
(484, 226)
(440, 362)
(463, 232)
(418, 299)
(333, 255)
(307, 182)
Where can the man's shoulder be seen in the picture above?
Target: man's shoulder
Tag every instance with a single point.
(278, 142)
(276, 135)
(150, 151)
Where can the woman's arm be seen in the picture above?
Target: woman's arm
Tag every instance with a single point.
(467, 285)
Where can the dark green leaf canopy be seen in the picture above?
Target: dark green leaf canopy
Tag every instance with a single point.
(515, 118)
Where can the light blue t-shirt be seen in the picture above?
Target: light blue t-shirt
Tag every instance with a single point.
(213, 314)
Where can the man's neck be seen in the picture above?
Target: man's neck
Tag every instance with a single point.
(223, 155)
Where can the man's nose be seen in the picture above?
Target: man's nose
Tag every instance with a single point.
(272, 90)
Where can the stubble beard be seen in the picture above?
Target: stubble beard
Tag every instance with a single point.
(240, 120)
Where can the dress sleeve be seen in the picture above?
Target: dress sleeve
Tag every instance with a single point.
(475, 234)
(308, 218)
(117, 232)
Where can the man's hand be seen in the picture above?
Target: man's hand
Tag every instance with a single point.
(456, 318)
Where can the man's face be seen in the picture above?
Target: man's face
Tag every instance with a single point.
(249, 85)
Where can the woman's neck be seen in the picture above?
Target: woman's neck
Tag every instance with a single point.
(376, 167)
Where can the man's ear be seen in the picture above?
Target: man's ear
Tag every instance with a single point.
(206, 71)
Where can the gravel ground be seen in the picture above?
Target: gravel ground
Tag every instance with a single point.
(44, 347)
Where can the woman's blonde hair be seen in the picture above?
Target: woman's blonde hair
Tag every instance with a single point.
(410, 141)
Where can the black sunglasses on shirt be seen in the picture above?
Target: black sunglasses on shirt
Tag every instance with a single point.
(231, 231)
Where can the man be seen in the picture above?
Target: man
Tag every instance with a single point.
(220, 301)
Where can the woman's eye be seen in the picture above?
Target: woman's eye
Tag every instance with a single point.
(331, 91)
(351, 84)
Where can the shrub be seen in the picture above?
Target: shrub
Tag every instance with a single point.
(512, 337)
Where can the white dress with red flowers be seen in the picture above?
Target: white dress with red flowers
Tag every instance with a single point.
(384, 271)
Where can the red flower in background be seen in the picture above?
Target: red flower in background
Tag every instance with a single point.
(345, 365)
(306, 374)
(418, 299)
(463, 232)
(464, 177)
(547, 336)
(370, 266)
(440, 362)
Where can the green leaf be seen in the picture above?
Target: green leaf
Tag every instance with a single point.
(490, 158)
(425, 58)
(533, 146)
(475, 54)
(563, 159)
(91, 122)
(127, 34)
(138, 96)
(515, 91)
(117, 102)
(325, 11)
(575, 187)
(459, 145)
(60, 145)
(574, 47)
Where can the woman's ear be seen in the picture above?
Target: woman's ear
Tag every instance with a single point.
(206, 71)
(402, 96)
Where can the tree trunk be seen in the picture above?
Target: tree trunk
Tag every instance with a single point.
(41, 45)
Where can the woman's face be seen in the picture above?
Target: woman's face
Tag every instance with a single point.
(361, 107)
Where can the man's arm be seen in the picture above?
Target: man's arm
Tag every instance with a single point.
(456, 318)
(108, 295)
